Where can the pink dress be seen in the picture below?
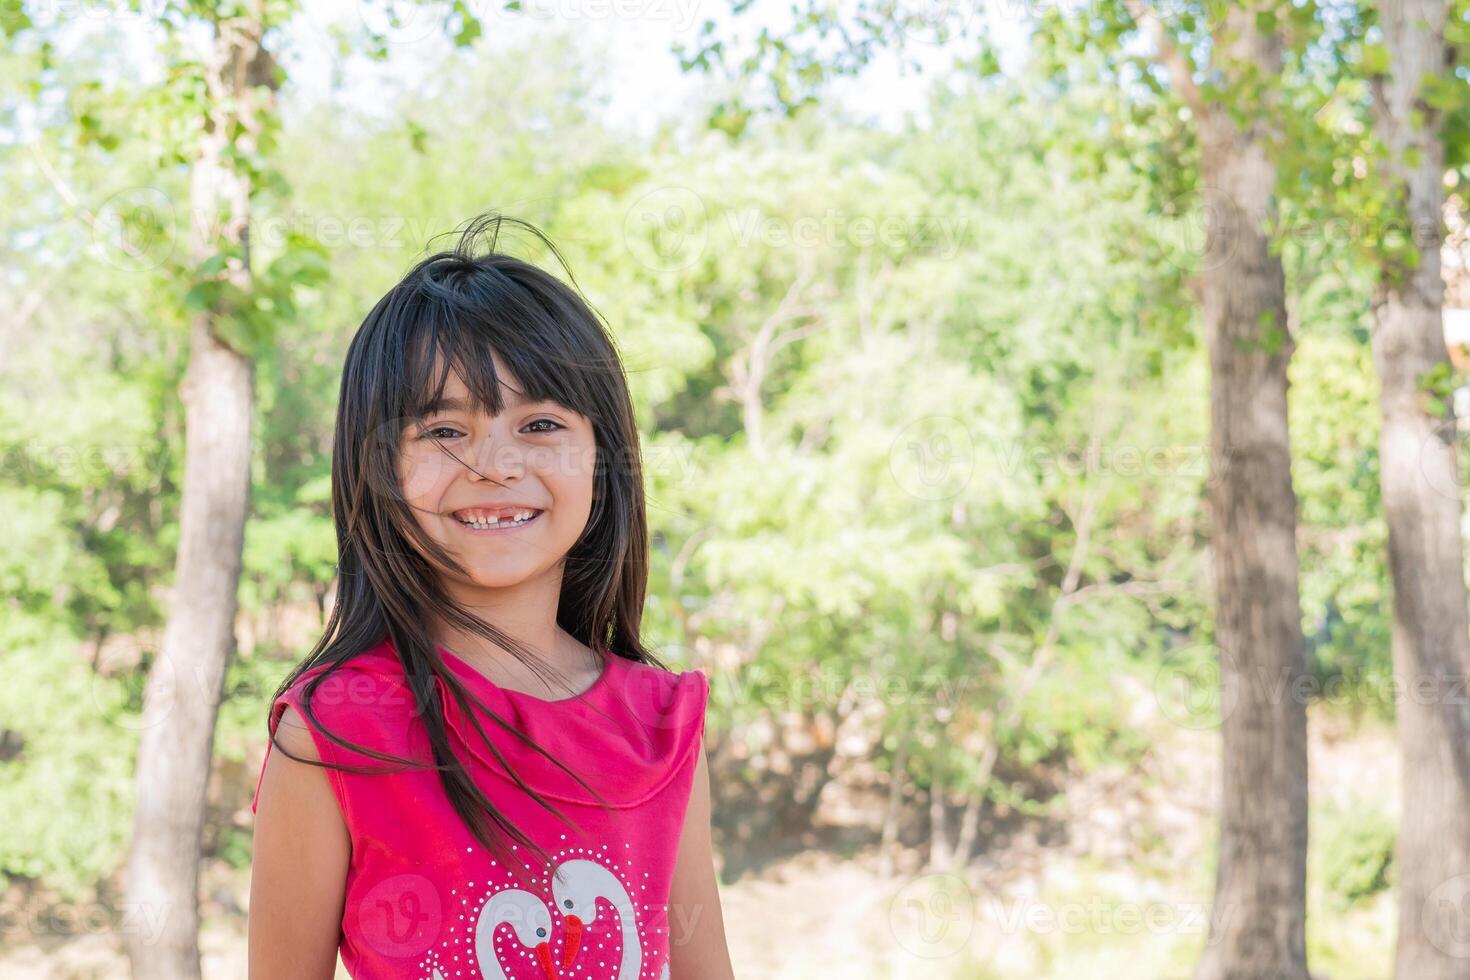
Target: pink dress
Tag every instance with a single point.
(424, 899)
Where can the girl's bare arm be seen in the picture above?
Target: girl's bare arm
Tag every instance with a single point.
(298, 870)
(697, 948)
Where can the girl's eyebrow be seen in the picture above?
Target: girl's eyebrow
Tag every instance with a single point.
(444, 405)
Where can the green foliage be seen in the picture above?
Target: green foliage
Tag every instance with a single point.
(1439, 384)
(68, 794)
(13, 18)
(248, 317)
(1375, 59)
(1352, 851)
(1334, 422)
(1075, 712)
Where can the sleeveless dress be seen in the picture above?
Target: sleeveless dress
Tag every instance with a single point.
(426, 901)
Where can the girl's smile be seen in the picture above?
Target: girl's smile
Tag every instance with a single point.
(514, 519)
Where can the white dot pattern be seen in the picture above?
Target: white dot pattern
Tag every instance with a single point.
(600, 956)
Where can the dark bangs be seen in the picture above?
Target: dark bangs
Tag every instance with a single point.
(456, 311)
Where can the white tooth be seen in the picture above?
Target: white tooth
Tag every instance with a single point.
(516, 517)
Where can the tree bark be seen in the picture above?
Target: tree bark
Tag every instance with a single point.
(898, 781)
(1421, 499)
(969, 829)
(1257, 927)
(939, 849)
(186, 681)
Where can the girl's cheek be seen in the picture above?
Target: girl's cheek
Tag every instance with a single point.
(574, 465)
(420, 474)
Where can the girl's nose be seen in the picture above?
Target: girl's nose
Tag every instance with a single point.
(498, 459)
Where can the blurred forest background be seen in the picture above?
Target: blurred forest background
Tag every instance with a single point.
(925, 396)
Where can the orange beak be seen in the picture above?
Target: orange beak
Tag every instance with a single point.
(543, 955)
(574, 940)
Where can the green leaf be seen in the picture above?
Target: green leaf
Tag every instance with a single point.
(202, 296)
(239, 332)
(1273, 340)
(1375, 59)
(212, 266)
(13, 18)
(1438, 381)
(1445, 93)
(418, 137)
(469, 25)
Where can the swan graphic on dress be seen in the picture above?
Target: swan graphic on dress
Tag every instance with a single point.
(528, 916)
(576, 896)
(576, 886)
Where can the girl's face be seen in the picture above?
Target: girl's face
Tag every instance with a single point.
(543, 456)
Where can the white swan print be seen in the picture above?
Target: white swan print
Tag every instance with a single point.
(576, 886)
(576, 895)
(530, 919)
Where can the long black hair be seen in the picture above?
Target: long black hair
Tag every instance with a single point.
(450, 312)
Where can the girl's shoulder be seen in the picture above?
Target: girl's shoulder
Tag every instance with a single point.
(359, 701)
(357, 681)
(647, 724)
(362, 698)
(664, 698)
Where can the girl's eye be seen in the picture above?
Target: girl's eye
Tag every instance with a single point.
(431, 432)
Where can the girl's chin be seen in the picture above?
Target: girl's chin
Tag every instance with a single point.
(500, 575)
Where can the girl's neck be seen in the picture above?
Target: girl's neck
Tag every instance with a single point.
(548, 642)
(567, 666)
(526, 611)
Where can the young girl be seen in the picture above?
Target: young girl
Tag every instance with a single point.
(480, 771)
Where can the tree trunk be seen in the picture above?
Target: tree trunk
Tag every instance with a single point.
(939, 849)
(186, 681)
(1257, 929)
(969, 830)
(896, 784)
(1431, 635)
